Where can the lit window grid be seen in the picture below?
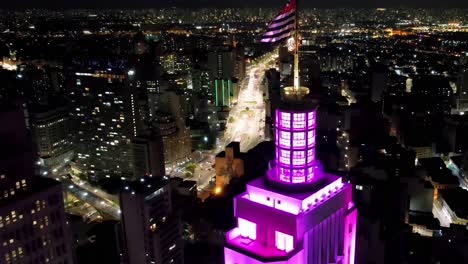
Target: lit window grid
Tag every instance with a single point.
(288, 139)
(300, 121)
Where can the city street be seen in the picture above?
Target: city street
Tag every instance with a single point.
(246, 122)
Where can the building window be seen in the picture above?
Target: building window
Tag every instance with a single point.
(299, 121)
(310, 156)
(311, 119)
(285, 157)
(298, 176)
(284, 241)
(299, 139)
(247, 229)
(311, 138)
(285, 120)
(285, 175)
(285, 139)
(299, 158)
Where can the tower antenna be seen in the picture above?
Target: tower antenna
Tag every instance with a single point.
(296, 49)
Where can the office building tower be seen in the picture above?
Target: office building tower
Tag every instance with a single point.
(223, 92)
(176, 141)
(171, 124)
(228, 69)
(221, 62)
(106, 118)
(148, 155)
(152, 233)
(462, 86)
(33, 225)
(378, 83)
(297, 213)
(51, 133)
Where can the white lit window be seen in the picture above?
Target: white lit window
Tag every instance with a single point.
(247, 229)
(311, 138)
(285, 157)
(285, 175)
(310, 156)
(285, 120)
(311, 119)
(299, 158)
(284, 241)
(299, 139)
(285, 139)
(299, 121)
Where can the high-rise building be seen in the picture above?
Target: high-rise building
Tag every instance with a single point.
(33, 225)
(462, 86)
(106, 115)
(298, 213)
(228, 69)
(177, 144)
(223, 92)
(152, 233)
(171, 124)
(148, 155)
(378, 83)
(222, 61)
(51, 133)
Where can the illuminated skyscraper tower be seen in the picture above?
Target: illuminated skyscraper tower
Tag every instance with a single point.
(297, 214)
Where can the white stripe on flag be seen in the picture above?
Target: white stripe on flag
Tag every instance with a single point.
(286, 28)
(287, 34)
(281, 24)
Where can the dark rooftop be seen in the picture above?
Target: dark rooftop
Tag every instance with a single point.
(146, 185)
(437, 170)
(187, 184)
(456, 200)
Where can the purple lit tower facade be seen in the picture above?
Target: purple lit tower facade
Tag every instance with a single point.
(297, 214)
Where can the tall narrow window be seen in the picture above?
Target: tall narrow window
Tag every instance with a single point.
(284, 241)
(247, 229)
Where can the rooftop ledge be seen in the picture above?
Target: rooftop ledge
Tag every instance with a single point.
(293, 203)
(256, 249)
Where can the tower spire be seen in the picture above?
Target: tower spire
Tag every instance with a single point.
(296, 49)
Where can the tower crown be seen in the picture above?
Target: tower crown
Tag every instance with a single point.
(295, 165)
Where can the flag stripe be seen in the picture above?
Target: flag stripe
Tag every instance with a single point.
(278, 38)
(279, 31)
(283, 17)
(273, 27)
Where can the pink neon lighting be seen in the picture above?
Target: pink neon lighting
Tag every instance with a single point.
(299, 140)
(288, 204)
(299, 121)
(295, 237)
(284, 241)
(311, 120)
(295, 147)
(247, 229)
(350, 237)
(322, 194)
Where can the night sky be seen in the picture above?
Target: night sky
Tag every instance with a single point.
(224, 3)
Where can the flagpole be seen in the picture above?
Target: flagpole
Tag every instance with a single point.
(296, 50)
